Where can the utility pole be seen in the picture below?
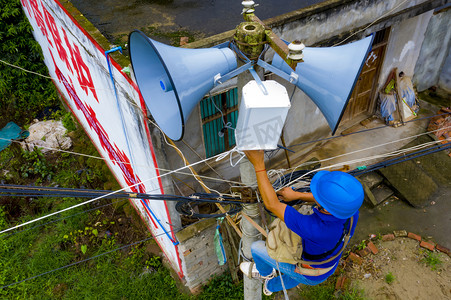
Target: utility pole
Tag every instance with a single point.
(250, 37)
(252, 287)
(248, 34)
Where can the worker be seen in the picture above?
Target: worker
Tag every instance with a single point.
(338, 197)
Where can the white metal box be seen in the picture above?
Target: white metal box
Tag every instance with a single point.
(261, 117)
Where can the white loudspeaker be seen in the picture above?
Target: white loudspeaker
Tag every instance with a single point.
(173, 80)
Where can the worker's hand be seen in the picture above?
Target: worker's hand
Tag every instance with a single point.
(287, 194)
(256, 158)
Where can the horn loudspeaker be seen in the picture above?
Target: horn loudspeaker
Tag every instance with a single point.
(328, 75)
(173, 80)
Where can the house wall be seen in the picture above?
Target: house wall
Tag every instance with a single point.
(404, 45)
(445, 77)
(433, 66)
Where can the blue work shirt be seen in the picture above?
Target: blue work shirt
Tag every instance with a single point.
(320, 233)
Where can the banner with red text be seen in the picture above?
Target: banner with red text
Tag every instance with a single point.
(113, 120)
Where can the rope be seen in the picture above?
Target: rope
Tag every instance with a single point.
(281, 280)
(364, 130)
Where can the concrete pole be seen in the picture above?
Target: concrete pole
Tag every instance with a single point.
(252, 287)
(249, 33)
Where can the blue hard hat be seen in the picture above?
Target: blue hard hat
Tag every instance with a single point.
(338, 192)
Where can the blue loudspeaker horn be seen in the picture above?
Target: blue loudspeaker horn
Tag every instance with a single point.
(328, 75)
(173, 80)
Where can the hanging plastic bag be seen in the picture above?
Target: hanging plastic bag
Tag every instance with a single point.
(219, 246)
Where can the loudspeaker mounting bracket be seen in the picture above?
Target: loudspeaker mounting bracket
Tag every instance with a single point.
(218, 79)
(292, 78)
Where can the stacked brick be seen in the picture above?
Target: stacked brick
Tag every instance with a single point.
(441, 124)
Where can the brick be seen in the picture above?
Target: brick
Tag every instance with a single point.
(197, 289)
(373, 248)
(400, 233)
(364, 252)
(442, 249)
(340, 282)
(388, 237)
(354, 258)
(427, 245)
(414, 236)
(432, 243)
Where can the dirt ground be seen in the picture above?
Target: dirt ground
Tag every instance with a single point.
(399, 271)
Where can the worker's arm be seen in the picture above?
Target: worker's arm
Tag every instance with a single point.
(269, 196)
(287, 194)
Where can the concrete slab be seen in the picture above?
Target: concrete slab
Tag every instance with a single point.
(382, 193)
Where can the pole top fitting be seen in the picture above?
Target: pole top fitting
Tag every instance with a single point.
(249, 6)
(295, 50)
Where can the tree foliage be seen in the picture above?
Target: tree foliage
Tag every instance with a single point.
(22, 95)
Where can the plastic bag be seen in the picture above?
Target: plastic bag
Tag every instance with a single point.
(219, 247)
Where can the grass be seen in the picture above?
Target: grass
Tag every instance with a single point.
(326, 291)
(432, 260)
(389, 278)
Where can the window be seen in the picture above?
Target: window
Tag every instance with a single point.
(219, 112)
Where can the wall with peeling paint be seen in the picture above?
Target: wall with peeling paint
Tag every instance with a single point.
(404, 46)
(445, 77)
(433, 66)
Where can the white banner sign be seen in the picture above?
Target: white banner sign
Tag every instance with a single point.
(114, 121)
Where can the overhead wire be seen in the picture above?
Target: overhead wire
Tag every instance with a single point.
(111, 193)
(364, 130)
(176, 147)
(369, 158)
(121, 162)
(48, 77)
(70, 152)
(397, 152)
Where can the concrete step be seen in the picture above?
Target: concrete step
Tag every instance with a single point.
(371, 179)
(382, 193)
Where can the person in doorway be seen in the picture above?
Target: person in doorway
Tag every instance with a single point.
(338, 197)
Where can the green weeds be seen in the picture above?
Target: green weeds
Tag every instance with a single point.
(326, 291)
(432, 260)
(23, 95)
(390, 278)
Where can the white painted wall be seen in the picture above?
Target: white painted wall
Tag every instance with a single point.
(404, 46)
(433, 67)
(80, 71)
(445, 76)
